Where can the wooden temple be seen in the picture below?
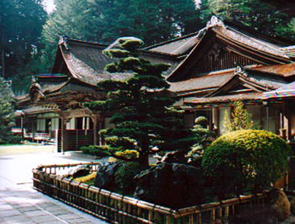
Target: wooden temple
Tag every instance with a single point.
(224, 63)
(211, 69)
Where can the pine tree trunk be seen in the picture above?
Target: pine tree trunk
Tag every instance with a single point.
(144, 156)
(144, 160)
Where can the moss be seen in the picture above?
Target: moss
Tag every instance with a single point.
(129, 154)
(86, 179)
(245, 159)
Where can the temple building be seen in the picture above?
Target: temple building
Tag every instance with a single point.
(210, 69)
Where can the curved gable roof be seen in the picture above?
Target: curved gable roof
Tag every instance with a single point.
(255, 50)
(85, 61)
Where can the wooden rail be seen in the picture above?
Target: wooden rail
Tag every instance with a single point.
(117, 208)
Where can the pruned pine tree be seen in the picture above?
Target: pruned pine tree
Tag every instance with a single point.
(143, 115)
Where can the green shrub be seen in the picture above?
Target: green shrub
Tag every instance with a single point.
(125, 174)
(128, 154)
(245, 159)
(100, 151)
(202, 121)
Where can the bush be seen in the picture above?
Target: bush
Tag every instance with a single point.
(202, 121)
(128, 154)
(100, 151)
(245, 159)
(125, 174)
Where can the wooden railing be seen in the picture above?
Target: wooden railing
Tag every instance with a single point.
(117, 208)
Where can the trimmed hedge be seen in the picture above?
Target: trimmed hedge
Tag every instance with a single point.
(245, 159)
(95, 150)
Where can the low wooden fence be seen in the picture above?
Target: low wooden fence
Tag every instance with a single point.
(116, 208)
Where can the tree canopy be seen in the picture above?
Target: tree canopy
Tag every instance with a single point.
(21, 24)
(254, 14)
(152, 21)
(6, 112)
(73, 18)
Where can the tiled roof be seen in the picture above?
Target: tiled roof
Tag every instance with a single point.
(201, 83)
(41, 109)
(285, 70)
(214, 80)
(251, 41)
(227, 98)
(258, 50)
(177, 46)
(86, 62)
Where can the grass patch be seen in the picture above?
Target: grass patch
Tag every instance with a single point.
(25, 149)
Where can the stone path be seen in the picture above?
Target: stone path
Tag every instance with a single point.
(20, 204)
(26, 206)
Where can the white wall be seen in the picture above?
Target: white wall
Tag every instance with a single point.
(41, 124)
(54, 123)
(71, 124)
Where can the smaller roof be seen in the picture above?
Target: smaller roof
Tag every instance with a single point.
(224, 99)
(41, 109)
(209, 82)
(285, 70)
(285, 91)
(177, 46)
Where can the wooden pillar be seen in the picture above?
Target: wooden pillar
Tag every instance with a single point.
(22, 127)
(63, 134)
(95, 130)
(215, 119)
(287, 120)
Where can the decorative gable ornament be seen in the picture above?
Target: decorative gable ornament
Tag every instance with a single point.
(239, 71)
(214, 21)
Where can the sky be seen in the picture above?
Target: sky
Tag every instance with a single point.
(49, 5)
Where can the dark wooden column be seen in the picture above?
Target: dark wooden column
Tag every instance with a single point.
(95, 129)
(63, 134)
(287, 120)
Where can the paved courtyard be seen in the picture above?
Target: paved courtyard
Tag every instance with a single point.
(19, 203)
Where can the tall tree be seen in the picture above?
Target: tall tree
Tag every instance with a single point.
(255, 14)
(152, 21)
(140, 106)
(6, 112)
(73, 18)
(21, 24)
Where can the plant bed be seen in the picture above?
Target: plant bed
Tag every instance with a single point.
(117, 208)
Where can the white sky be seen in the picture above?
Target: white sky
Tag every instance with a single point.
(49, 5)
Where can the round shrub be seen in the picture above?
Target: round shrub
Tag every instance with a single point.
(245, 160)
(125, 174)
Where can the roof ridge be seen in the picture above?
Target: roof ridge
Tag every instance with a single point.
(172, 40)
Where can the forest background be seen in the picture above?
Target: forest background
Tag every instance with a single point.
(29, 33)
